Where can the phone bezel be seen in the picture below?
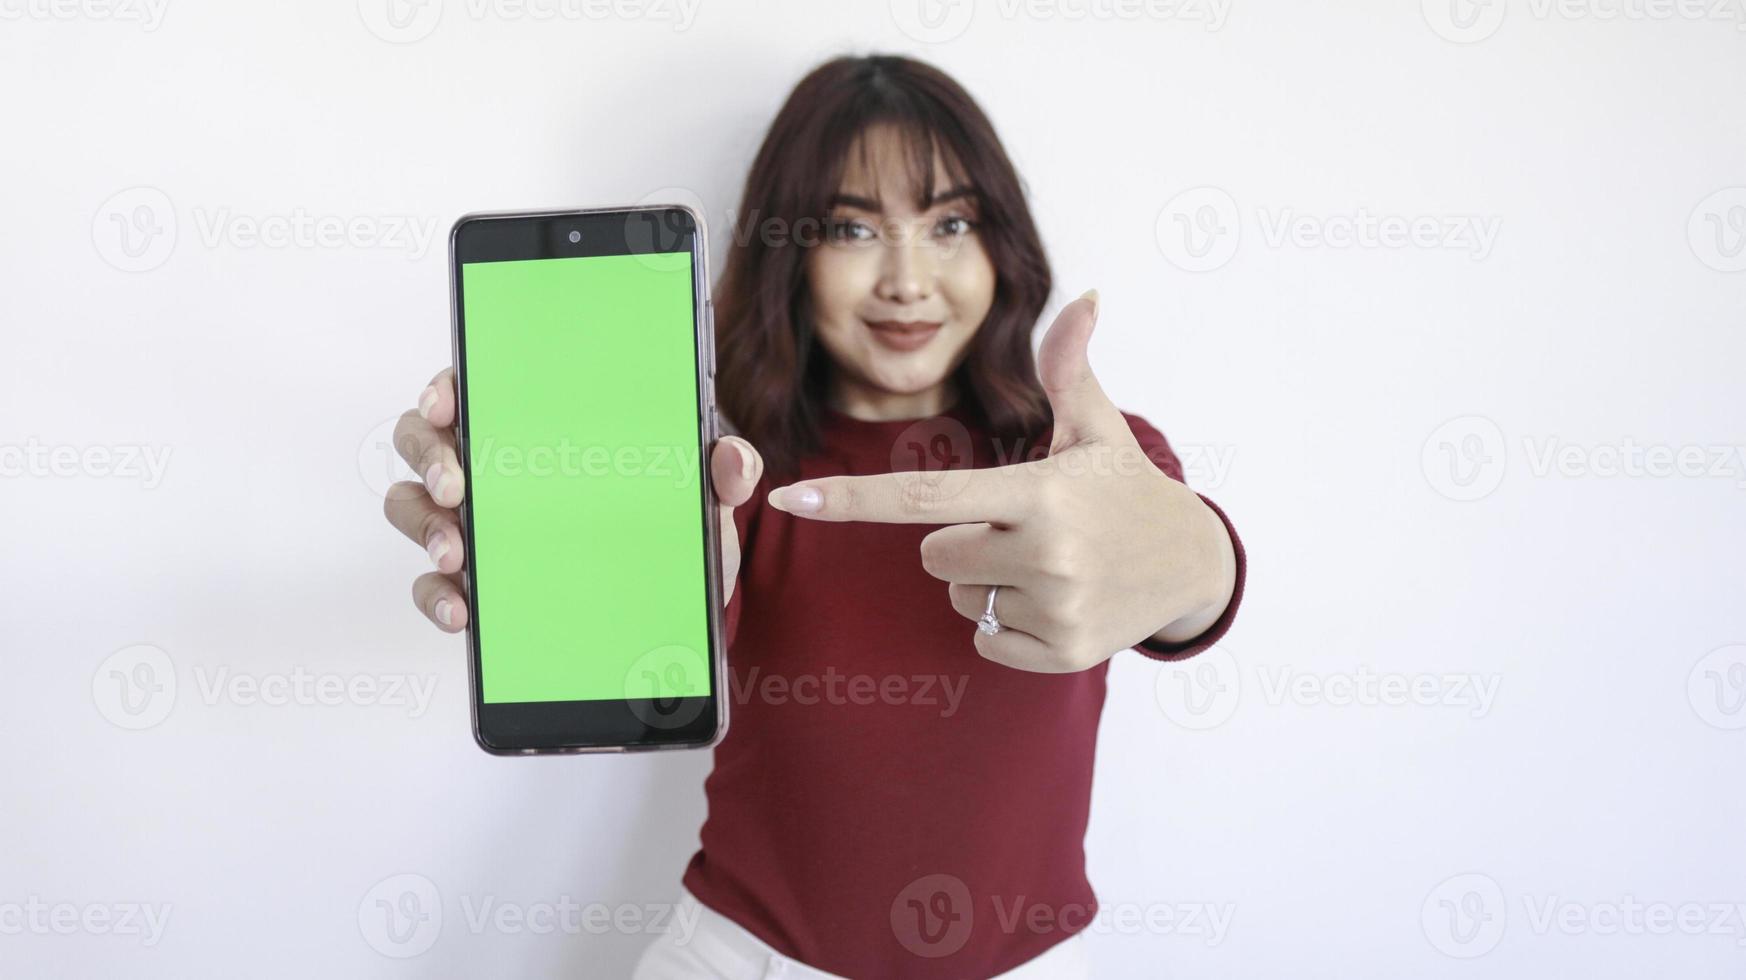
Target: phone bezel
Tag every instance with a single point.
(703, 325)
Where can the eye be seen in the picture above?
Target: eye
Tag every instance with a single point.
(850, 230)
(953, 226)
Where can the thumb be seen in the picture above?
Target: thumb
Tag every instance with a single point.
(734, 468)
(1083, 413)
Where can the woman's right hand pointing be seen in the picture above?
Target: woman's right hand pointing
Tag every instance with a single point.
(428, 512)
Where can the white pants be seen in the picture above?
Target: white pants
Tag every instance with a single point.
(721, 949)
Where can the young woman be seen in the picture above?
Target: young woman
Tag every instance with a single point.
(933, 545)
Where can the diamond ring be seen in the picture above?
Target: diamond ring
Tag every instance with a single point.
(988, 623)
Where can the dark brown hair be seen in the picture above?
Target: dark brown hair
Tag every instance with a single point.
(770, 370)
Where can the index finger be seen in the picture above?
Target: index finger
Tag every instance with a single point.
(999, 495)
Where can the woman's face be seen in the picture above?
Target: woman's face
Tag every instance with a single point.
(898, 287)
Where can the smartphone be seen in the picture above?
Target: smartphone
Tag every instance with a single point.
(584, 352)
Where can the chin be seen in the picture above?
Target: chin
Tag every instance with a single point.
(906, 379)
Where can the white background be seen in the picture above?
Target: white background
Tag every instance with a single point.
(1162, 151)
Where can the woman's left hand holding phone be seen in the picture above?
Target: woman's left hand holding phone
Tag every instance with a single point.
(428, 511)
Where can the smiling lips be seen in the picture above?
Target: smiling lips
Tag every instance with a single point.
(903, 335)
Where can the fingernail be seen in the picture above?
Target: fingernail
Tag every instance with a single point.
(433, 478)
(445, 612)
(746, 466)
(438, 546)
(799, 500)
(427, 401)
(1091, 294)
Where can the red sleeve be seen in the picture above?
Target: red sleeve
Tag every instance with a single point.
(1159, 452)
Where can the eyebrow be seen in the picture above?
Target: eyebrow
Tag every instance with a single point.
(869, 204)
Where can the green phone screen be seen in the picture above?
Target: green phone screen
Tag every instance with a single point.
(586, 483)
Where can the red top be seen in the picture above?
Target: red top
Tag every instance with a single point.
(884, 796)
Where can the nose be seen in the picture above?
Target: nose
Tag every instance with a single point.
(906, 273)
